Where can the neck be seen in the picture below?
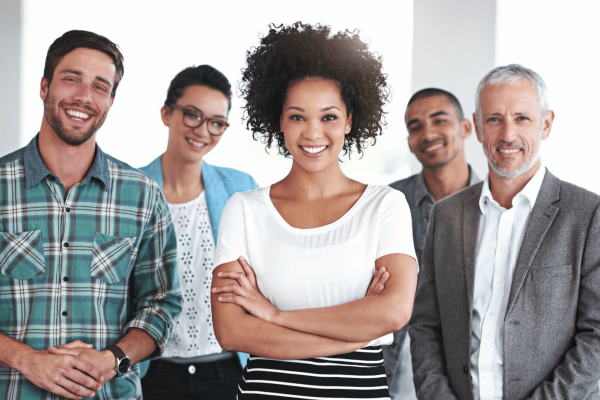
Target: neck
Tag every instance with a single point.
(307, 185)
(505, 189)
(69, 163)
(448, 179)
(182, 181)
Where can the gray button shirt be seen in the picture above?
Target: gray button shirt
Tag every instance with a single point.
(420, 203)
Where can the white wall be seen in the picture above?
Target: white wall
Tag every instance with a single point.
(454, 47)
(560, 41)
(10, 72)
(160, 38)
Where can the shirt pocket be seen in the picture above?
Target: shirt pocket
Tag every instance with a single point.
(22, 254)
(110, 257)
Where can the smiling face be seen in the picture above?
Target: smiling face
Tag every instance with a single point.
(78, 99)
(512, 128)
(191, 144)
(314, 123)
(435, 132)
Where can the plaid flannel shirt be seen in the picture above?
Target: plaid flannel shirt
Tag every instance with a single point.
(88, 264)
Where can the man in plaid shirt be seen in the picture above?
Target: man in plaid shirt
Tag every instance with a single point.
(88, 282)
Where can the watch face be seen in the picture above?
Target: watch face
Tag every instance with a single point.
(124, 365)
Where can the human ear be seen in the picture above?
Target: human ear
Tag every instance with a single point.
(466, 127)
(477, 132)
(165, 115)
(547, 124)
(44, 85)
(349, 123)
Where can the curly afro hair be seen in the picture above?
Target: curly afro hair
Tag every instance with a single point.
(291, 53)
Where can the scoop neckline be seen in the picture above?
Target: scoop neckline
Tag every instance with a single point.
(187, 203)
(339, 221)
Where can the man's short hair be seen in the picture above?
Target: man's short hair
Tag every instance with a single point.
(430, 92)
(203, 75)
(75, 39)
(511, 74)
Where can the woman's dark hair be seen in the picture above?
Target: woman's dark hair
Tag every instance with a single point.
(291, 53)
(203, 75)
(72, 40)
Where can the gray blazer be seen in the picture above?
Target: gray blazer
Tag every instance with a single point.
(552, 324)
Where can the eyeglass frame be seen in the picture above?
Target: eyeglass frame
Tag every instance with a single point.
(204, 118)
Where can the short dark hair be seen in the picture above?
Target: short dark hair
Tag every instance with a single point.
(75, 39)
(289, 54)
(203, 75)
(430, 92)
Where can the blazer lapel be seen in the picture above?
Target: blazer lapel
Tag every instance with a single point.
(471, 216)
(541, 219)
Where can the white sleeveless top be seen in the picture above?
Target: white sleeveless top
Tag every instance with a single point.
(319, 267)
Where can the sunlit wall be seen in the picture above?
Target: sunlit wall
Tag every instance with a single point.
(160, 38)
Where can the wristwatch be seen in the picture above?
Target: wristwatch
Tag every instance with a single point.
(122, 362)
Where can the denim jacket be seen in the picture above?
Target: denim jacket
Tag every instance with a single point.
(219, 185)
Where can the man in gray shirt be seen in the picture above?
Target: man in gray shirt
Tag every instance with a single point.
(436, 133)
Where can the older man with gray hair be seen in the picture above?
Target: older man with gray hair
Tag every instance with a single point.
(509, 305)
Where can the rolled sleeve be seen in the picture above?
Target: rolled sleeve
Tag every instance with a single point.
(156, 294)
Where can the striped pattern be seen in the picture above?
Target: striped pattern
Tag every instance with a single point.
(118, 271)
(356, 375)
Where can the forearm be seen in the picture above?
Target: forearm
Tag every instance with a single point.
(11, 351)
(367, 318)
(252, 335)
(137, 344)
(361, 320)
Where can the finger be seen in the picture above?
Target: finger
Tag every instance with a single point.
(59, 390)
(89, 369)
(249, 271)
(235, 289)
(233, 300)
(374, 283)
(74, 388)
(77, 344)
(58, 351)
(240, 277)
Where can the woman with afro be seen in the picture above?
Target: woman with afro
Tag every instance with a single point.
(334, 269)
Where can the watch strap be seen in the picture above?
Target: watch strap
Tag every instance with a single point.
(116, 350)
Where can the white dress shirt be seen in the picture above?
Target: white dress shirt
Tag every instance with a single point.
(500, 236)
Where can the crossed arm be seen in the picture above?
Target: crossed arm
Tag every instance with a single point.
(241, 312)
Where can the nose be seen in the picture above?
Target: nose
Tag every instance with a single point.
(313, 131)
(202, 130)
(83, 94)
(430, 132)
(508, 131)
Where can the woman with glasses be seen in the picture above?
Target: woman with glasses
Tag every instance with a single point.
(304, 309)
(193, 365)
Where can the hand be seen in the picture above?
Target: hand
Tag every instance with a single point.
(62, 374)
(380, 277)
(103, 360)
(74, 345)
(246, 293)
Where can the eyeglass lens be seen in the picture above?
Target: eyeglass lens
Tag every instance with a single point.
(216, 126)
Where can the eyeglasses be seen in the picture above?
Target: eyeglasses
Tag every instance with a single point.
(195, 119)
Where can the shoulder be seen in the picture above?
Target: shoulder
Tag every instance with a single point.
(457, 199)
(405, 185)
(387, 199)
(130, 176)
(232, 178)
(12, 157)
(576, 198)
(154, 169)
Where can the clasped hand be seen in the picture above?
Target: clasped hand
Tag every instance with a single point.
(245, 292)
(73, 370)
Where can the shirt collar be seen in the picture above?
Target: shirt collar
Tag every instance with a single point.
(529, 192)
(421, 189)
(36, 169)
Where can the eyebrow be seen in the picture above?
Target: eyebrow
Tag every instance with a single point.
(199, 110)
(435, 114)
(322, 109)
(79, 73)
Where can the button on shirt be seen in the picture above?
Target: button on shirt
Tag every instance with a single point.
(87, 264)
(500, 235)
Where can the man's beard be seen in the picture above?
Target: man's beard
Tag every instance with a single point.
(523, 167)
(73, 137)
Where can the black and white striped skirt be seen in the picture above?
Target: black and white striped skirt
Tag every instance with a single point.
(356, 375)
